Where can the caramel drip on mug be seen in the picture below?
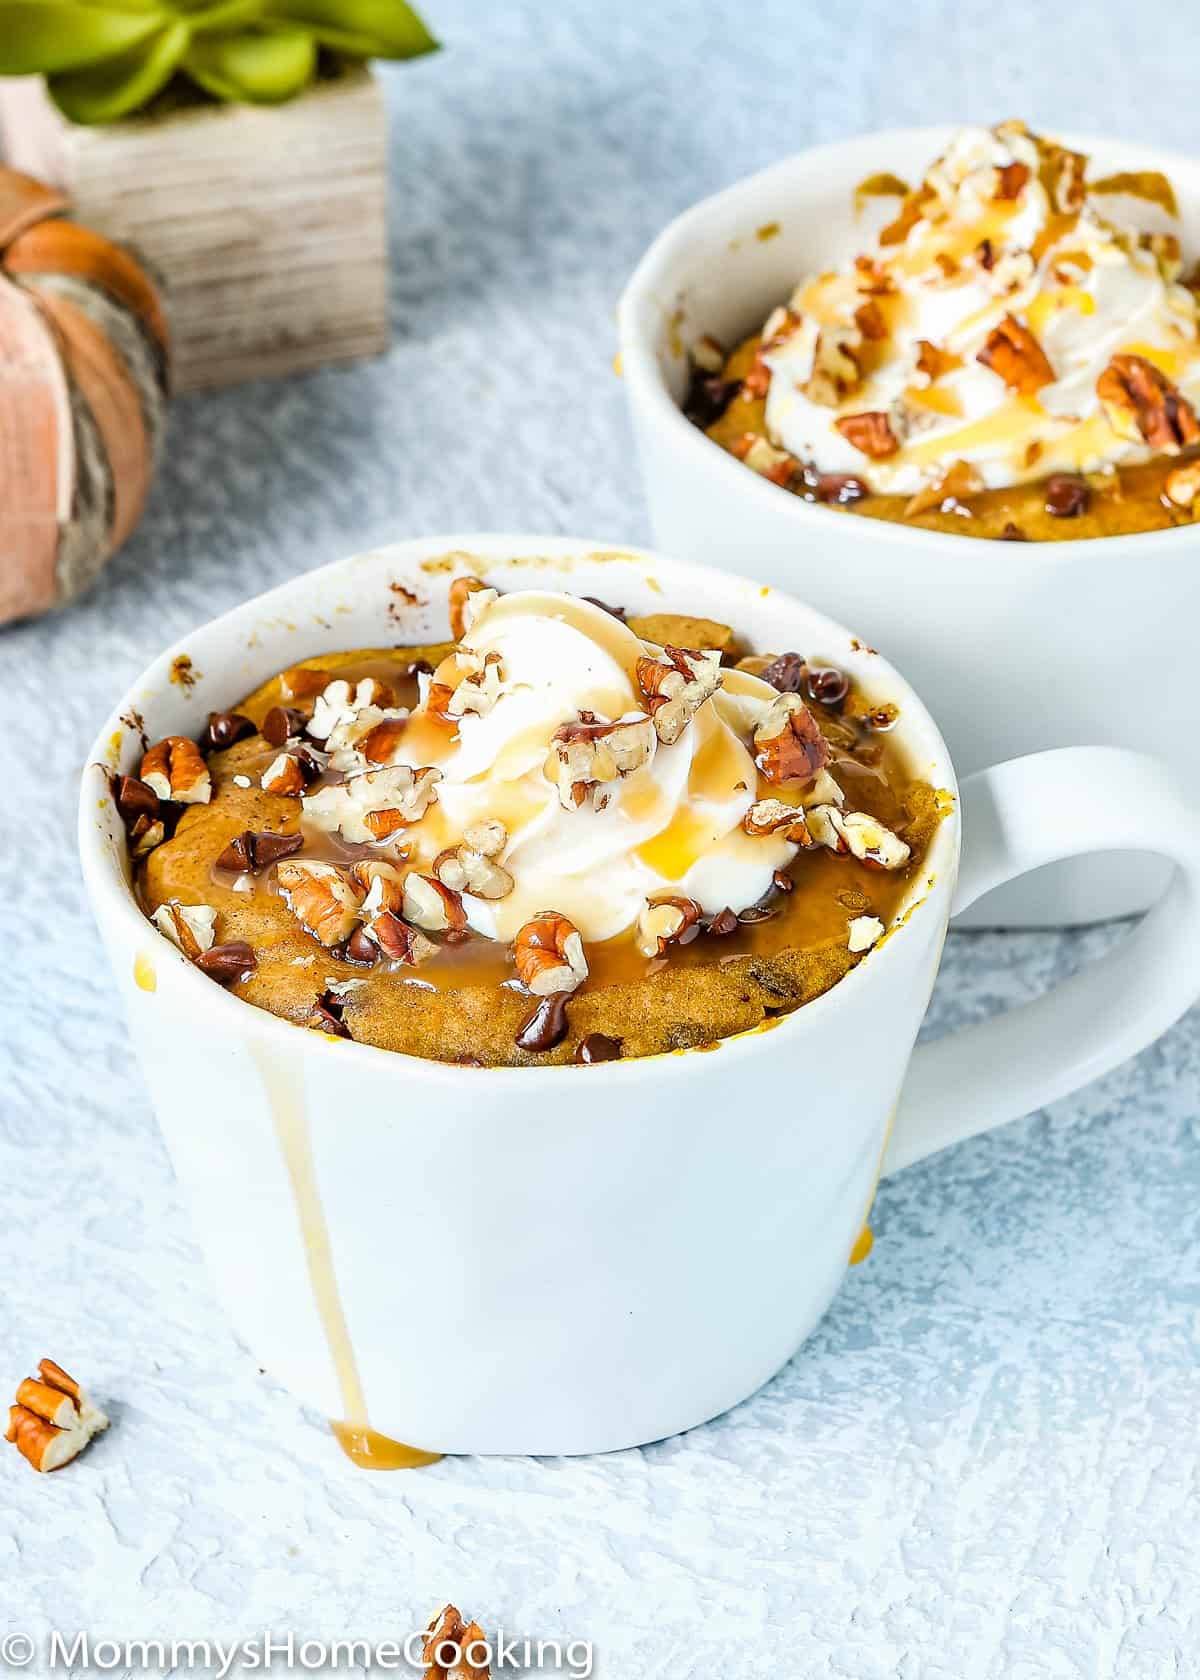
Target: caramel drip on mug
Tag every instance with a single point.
(363, 1445)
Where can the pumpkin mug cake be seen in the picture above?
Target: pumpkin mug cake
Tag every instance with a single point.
(429, 848)
(567, 836)
(1004, 359)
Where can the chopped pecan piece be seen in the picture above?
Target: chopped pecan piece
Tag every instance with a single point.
(134, 798)
(430, 905)
(1011, 179)
(781, 323)
(321, 898)
(1010, 272)
(145, 835)
(396, 939)
(53, 1419)
(189, 926)
(1182, 484)
(789, 743)
(374, 804)
(863, 932)
(1138, 399)
(175, 769)
(863, 836)
(382, 883)
(290, 773)
(587, 755)
(454, 1648)
(959, 482)
(471, 867)
(835, 369)
(933, 361)
(300, 683)
(468, 598)
(479, 688)
(666, 921)
(871, 277)
(676, 687)
(360, 726)
(871, 321)
(772, 816)
(764, 459)
(1063, 174)
(708, 354)
(870, 432)
(1014, 355)
(549, 955)
(338, 704)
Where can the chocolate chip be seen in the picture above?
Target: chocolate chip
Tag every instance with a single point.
(280, 724)
(251, 852)
(708, 396)
(361, 949)
(420, 668)
(613, 612)
(826, 685)
(269, 848)
(223, 729)
(309, 768)
(1013, 533)
(986, 255)
(785, 673)
(227, 964)
(838, 489)
(783, 883)
(545, 1025)
(725, 921)
(598, 1047)
(1066, 496)
(328, 1011)
(841, 488)
(134, 798)
(238, 855)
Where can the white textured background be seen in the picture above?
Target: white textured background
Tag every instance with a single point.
(984, 1464)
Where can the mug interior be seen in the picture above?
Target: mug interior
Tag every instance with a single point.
(397, 596)
(724, 264)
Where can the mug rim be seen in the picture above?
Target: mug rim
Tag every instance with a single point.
(114, 906)
(640, 362)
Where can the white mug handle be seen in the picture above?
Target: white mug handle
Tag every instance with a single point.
(1016, 817)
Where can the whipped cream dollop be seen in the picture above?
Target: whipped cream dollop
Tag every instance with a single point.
(672, 825)
(981, 325)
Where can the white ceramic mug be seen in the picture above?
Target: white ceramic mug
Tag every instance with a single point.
(572, 1259)
(1013, 646)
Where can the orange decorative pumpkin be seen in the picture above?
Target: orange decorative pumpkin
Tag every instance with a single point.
(83, 383)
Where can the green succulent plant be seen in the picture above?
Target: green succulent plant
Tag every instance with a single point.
(103, 59)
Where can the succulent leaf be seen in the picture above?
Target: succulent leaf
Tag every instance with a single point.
(258, 67)
(104, 59)
(363, 28)
(111, 90)
(49, 36)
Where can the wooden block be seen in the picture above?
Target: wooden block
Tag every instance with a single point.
(268, 226)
